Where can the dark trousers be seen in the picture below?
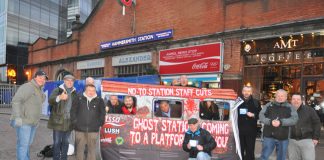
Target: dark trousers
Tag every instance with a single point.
(61, 144)
(247, 146)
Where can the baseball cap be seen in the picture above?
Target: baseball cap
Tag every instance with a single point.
(192, 121)
(41, 73)
(69, 76)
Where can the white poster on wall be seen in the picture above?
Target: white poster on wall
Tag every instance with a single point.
(129, 59)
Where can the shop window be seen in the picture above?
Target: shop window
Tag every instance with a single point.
(314, 69)
(121, 104)
(95, 73)
(167, 108)
(214, 110)
(131, 70)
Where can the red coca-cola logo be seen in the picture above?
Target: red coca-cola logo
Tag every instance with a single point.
(203, 65)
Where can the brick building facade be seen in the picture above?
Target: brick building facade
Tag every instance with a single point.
(231, 22)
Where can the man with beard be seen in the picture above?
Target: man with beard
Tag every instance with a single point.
(247, 123)
(129, 107)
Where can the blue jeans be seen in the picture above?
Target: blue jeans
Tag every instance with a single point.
(25, 137)
(61, 144)
(269, 144)
(201, 156)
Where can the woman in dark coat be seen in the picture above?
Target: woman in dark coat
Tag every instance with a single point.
(209, 111)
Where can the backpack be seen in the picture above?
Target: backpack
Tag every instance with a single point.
(47, 151)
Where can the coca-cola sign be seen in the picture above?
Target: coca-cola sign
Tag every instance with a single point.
(203, 65)
(195, 59)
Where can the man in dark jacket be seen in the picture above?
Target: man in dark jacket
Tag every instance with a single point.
(277, 117)
(114, 105)
(306, 133)
(87, 115)
(198, 141)
(165, 110)
(248, 114)
(61, 102)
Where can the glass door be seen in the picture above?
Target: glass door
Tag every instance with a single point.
(313, 89)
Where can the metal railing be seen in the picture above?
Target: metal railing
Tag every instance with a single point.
(7, 91)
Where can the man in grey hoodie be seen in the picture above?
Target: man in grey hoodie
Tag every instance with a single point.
(26, 111)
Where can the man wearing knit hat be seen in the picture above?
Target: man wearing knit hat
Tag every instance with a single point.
(198, 141)
(60, 121)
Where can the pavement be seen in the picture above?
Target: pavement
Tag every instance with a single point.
(44, 137)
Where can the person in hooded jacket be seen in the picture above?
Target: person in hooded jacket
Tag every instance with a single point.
(87, 116)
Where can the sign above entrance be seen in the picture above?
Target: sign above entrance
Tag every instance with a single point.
(139, 58)
(195, 59)
(89, 64)
(165, 34)
(281, 44)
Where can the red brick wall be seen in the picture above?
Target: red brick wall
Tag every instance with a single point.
(188, 18)
(256, 13)
(232, 49)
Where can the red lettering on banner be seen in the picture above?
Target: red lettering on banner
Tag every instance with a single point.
(181, 92)
(168, 133)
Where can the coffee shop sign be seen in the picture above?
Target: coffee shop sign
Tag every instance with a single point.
(288, 44)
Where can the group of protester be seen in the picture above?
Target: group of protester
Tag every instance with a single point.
(292, 127)
(284, 123)
(82, 112)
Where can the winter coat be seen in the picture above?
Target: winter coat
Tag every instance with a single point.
(308, 125)
(283, 112)
(88, 114)
(59, 120)
(204, 139)
(248, 125)
(27, 104)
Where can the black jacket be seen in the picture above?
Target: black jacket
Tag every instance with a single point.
(248, 125)
(115, 109)
(308, 125)
(88, 116)
(204, 139)
(209, 113)
(175, 112)
(284, 112)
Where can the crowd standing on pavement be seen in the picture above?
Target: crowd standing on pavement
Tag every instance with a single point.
(292, 128)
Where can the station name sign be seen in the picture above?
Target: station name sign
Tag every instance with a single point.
(155, 36)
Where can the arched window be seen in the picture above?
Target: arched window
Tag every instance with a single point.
(61, 73)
